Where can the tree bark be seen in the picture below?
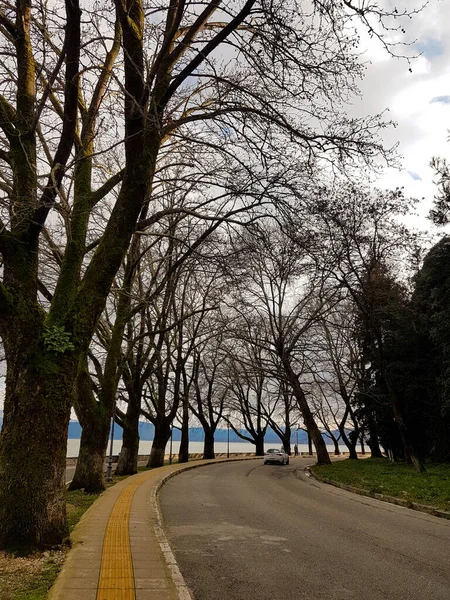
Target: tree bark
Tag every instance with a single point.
(409, 449)
(183, 452)
(373, 442)
(128, 457)
(160, 439)
(337, 452)
(95, 421)
(363, 446)
(91, 459)
(350, 443)
(208, 443)
(323, 457)
(287, 446)
(33, 446)
(259, 445)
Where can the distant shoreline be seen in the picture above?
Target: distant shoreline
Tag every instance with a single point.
(196, 447)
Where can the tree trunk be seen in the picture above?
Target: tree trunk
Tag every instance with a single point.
(259, 445)
(208, 444)
(286, 441)
(95, 421)
(183, 452)
(91, 459)
(310, 450)
(160, 439)
(337, 452)
(33, 446)
(311, 426)
(410, 452)
(350, 443)
(372, 441)
(363, 446)
(128, 457)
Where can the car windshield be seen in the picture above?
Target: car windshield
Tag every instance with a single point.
(273, 451)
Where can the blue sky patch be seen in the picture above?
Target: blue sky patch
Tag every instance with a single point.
(415, 176)
(440, 100)
(430, 48)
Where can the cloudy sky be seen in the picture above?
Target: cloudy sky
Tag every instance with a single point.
(419, 101)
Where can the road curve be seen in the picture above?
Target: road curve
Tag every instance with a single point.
(246, 531)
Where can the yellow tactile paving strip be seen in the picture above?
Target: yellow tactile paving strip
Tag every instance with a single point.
(116, 579)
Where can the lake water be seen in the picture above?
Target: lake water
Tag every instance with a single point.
(73, 447)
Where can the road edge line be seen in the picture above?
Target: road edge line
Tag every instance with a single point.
(184, 592)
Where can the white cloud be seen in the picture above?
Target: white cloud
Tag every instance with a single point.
(418, 101)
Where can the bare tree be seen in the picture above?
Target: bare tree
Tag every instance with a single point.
(368, 246)
(279, 73)
(287, 291)
(335, 372)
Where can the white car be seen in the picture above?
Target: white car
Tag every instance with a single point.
(274, 455)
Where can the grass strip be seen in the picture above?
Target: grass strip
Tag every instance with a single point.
(380, 476)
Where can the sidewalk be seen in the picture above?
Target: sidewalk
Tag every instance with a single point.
(119, 548)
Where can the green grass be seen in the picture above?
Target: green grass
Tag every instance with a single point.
(37, 586)
(77, 504)
(378, 475)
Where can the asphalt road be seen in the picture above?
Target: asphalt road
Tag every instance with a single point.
(244, 531)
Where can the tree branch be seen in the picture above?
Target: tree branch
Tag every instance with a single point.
(106, 187)
(72, 45)
(207, 50)
(8, 25)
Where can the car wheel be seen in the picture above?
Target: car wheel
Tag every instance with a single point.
(287, 462)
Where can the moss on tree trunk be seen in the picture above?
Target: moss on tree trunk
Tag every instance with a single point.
(89, 472)
(33, 457)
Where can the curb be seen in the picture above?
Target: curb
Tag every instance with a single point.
(184, 592)
(430, 510)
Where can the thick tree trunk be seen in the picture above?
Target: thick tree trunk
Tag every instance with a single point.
(208, 444)
(323, 457)
(410, 452)
(160, 439)
(373, 442)
(128, 457)
(33, 446)
(286, 441)
(95, 421)
(310, 450)
(91, 459)
(259, 445)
